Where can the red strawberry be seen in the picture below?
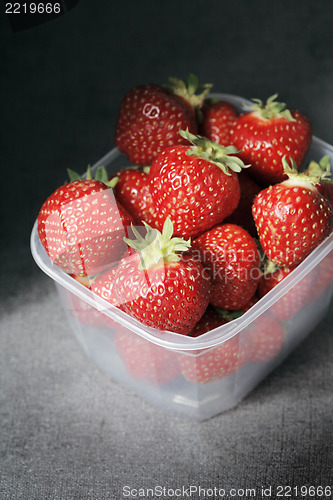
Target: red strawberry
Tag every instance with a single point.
(88, 315)
(146, 361)
(197, 187)
(231, 258)
(292, 218)
(250, 303)
(81, 227)
(242, 215)
(323, 278)
(217, 117)
(210, 320)
(159, 285)
(149, 119)
(266, 336)
(102, 285)
(322, 170)
(289, 304)
(132, 190)
(83, 312)
(218, 362)
(266, 134)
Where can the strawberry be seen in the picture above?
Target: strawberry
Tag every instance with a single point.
(292, 301)
(132, 190)
(322, 170)
(150, 117)
(102, 285)
(190, 94)
(197, 187)
(146, 361)
(323, 279)
(291, 217)
(211, 319)
(81, 227)
(217, 117)
(250, 303)
(231, 258)
(83, 312)
(242, 215)
(88, 315)
(267, 133)
(159, 285)
(218, 362)
(266, 337)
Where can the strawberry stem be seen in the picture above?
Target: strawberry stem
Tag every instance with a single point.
(157, 247)
(222, 156)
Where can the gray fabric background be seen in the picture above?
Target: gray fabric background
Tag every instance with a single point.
(66, 430)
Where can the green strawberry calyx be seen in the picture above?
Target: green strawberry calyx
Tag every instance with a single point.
(271, 109)
(222, 156)
(296, 178)
(322, 169)
(190, 90)
(157, 247)
(100, 175)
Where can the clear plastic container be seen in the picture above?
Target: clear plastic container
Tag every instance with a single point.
(163, 367)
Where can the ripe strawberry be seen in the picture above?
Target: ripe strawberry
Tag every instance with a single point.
(83, 312)
(149, 119)
(146, 361)
(291, 217)
(196, 187)
(323, 279)
(322, 170)
(242, 215)
(292, 301)
(266, 336)
(266, 134)
(231, 258)
(159, 285)
(190, 94)
(81, 227)
(211, 319)
(132, 190)
(102, 285)
(217, 117)
(216, 363)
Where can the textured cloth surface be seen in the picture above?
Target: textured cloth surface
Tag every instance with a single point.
(67, 430)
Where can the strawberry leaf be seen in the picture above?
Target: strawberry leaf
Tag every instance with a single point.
(214, 153)
(73, 176)
(101, 175)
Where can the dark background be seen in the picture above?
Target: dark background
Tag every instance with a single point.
(61, 83)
